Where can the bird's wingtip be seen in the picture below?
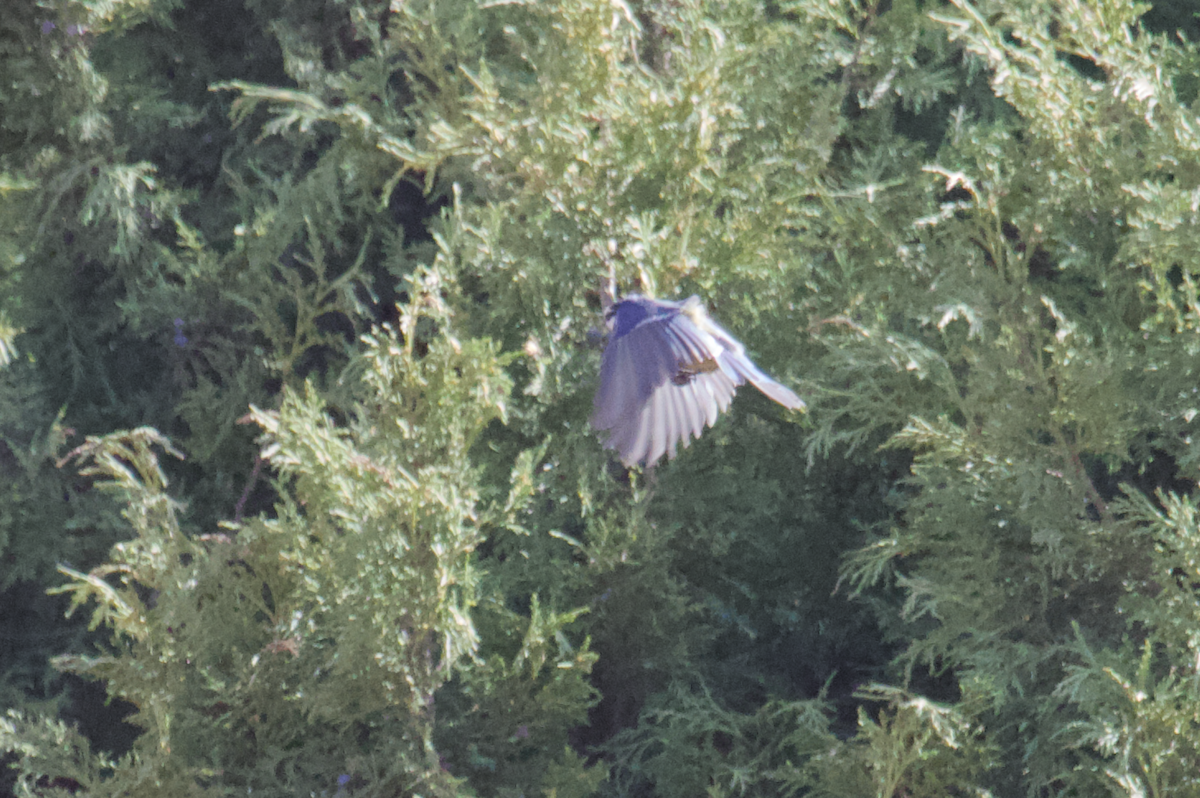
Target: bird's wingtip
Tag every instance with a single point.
(781, 394)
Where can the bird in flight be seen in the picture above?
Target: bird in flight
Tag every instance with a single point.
(667, 372)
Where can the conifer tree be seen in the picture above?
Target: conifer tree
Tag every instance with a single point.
(961, 231)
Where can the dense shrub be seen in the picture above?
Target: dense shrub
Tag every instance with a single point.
(298, 335)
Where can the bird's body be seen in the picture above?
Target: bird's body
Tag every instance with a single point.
(669, 371)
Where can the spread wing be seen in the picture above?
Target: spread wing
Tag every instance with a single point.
(742, 369)
(669, 371)
(661, 383)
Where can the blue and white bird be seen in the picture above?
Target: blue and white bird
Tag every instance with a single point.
(669, 371)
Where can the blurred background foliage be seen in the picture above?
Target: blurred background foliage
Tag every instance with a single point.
(300, 324)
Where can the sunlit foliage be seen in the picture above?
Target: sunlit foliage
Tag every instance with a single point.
(318, 290)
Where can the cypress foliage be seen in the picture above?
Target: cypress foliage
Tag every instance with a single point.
(317, 286)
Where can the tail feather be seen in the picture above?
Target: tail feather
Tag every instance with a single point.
(780, 393)
(744, 370)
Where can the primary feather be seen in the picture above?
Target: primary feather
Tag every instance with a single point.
(669, 371)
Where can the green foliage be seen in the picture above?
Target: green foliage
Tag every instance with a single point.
(1139, 699)
(916, 747)
(506, 715)
(687, 744)
(964, 231)
(1037, 344)
(290, 650)
(57, 760)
